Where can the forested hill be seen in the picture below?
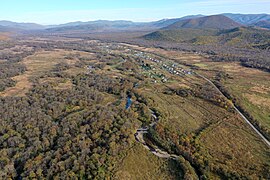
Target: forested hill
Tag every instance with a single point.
(246, 44)
(240, 36)
(207, 22)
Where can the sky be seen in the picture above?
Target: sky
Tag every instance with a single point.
(62, 11)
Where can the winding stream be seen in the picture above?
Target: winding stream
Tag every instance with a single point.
(156, 151)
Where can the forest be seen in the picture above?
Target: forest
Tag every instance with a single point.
(63, 134)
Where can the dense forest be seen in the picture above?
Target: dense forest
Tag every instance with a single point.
(64, 134)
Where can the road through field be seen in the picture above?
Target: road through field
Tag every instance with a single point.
(238, 111)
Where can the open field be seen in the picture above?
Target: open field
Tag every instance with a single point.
(250, 87)
(4, 36)
(21, 88)
(41, 63)
(141, 164)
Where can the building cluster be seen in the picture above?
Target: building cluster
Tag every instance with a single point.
(141, 58)
(172, 69)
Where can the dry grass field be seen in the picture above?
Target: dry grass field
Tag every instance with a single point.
(249, 86)
(43, 62)
(139, 163)
(4, 36)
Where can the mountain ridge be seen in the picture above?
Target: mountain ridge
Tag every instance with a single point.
(248, 19)
(206, 22)
(22, 26)
(262, 24)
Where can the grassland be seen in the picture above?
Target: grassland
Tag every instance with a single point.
(140, 164)
(4, 36)
(249, 86)
(225, 140)
(254, 94)
(41, 63)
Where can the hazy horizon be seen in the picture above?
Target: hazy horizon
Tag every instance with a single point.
(60, 12)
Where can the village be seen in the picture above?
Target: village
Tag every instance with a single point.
(158, 63)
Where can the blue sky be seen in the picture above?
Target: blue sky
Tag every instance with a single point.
(62, 11)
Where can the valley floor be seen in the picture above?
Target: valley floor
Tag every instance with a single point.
(64, 114)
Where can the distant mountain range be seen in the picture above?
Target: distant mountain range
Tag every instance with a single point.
(5, 29)
(248, 19)
(224, 21)
(96, 26)
(103, 25)
(21, 26)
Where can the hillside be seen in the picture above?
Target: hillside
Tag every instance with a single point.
(208, 22)
(248, 19)
(241, 37)
(5, 29)
(246, 37)
(263, 24)
(4, 36)
(249, 36)
(6, 32)
(179, 35)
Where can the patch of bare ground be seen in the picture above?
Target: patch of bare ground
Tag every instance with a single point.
(258, 100)
(4, 36)
(260, 89)
(21, 88)
(57, 82)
